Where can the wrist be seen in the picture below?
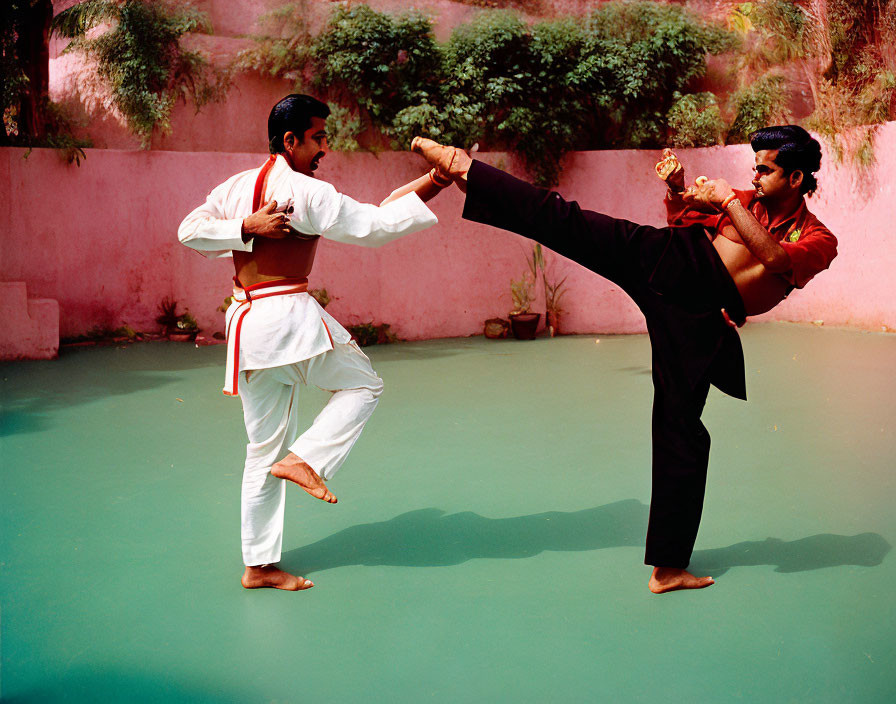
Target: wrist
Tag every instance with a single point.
(438, 180)
(245, 236)
(728, 200)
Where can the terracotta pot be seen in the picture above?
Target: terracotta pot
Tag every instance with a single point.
(496, 328)
(524, 325)
(178, 335)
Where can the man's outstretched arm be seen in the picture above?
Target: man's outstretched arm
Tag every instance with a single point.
(426, 187)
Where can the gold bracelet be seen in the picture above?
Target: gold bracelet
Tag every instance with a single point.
(731, 197)
(441, 184)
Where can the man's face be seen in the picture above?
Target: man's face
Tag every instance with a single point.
(304, 156)
(769, 179)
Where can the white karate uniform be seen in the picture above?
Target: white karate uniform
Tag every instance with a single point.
(290, 340)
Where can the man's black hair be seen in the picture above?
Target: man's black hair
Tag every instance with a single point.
(293, 114)
(797, 151)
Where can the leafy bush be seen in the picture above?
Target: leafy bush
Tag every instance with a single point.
(695, 120)
(640, 55)
(848, 62)
(620, 77)
(758, 105)
(141, 58)
(384, 64)
(537, 90)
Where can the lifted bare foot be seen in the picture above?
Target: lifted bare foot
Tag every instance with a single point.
(669, 579)
(295, 470)
(451, 163)
(269, 576)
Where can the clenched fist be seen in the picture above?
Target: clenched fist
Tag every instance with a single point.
(671, 171)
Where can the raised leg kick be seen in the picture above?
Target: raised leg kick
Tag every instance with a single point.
(693, 289)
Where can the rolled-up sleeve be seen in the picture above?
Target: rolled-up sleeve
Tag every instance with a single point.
(811, 253)
(337, 217)
(209, 232)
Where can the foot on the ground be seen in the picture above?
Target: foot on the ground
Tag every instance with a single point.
(669, 579)
(273, 578)
(299, 472)
(451, 163)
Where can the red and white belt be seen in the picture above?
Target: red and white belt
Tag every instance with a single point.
(244, 298)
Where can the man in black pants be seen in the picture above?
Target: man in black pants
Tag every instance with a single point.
(728, 254)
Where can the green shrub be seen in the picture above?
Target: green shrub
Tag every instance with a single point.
(383, 64)
(757, 105)
(536, 90)
(141, 58)
(695, 120)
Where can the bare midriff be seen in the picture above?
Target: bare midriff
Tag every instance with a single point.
(760, 289)
(274, 259)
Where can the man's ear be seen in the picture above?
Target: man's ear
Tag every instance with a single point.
(289, 140)
(796, 178)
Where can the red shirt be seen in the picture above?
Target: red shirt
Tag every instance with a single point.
(810, 245)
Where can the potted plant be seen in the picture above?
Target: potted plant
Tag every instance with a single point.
(553, 292)
(523, 322)
(186, 328)
(179, 328)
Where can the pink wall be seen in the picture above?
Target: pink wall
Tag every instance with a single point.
(101, 239)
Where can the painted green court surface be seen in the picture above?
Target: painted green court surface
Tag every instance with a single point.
(488, 541)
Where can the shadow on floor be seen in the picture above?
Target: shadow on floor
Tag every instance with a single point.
(430, 538)
(812, 553)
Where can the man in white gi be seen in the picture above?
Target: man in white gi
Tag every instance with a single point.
(270, 220)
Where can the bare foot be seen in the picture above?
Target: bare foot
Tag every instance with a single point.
(669, 579)
(295, 470)
(451, 163)
(269, 576)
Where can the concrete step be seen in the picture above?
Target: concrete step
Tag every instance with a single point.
(29, 327)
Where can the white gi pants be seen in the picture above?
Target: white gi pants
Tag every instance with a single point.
(269, 408)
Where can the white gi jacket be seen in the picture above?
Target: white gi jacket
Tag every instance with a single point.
(283, 330)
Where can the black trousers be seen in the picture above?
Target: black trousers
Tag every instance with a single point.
(680, 284)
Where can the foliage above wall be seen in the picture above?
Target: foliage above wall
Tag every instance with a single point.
(621, 77)
(538, 90)
(141, 57)
(845, 51)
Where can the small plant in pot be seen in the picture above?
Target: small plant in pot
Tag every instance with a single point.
(523, 323)
(552, 295)
(179, 328)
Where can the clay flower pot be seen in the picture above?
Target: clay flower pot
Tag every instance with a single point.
(496, 328)
(524, 325)
(181, 335)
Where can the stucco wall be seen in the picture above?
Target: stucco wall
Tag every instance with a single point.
(101, 239)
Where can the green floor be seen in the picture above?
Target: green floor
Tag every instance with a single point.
(488, 541)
